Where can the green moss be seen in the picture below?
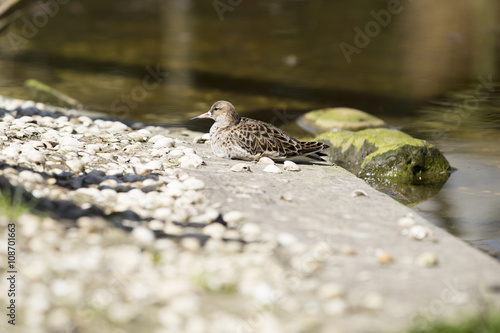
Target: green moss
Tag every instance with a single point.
(390, 160)
(340, 114)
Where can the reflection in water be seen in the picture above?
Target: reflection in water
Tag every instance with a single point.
(275, 60)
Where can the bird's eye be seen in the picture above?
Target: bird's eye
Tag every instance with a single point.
(216, 109)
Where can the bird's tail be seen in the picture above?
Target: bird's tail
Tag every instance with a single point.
(312, 147)
(313, 150)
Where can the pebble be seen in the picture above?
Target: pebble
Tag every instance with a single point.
(93, 148)
(12, 151)
(32, 154)
(69, 143)
(272, 168)
(90, 225)
(348, 250)
(191, 161)
(173, 229)
(109, 182)
(383, 257)
(241, 167)
(233, 218)
(163, 143)
(193, 184)
(31, 177)
(335, 307)
(214, 230)
(291, 166)
(75, 165)
(250, 231)
(30, 224)
(190, 243)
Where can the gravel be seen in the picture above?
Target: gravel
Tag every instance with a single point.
(125, 237)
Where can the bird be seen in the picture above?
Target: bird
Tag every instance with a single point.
(235, 137)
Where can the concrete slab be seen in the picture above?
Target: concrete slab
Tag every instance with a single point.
(388, 286)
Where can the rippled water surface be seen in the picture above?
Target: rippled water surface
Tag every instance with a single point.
(418, 66)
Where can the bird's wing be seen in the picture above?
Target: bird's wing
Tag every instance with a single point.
(265, 139)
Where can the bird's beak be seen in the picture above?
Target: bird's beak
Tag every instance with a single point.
(205, 115)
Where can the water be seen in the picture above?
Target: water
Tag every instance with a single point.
(416, 65)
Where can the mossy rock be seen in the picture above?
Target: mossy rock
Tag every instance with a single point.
(387, 156)
(323, 120)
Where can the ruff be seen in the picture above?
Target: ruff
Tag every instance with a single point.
(236, 137)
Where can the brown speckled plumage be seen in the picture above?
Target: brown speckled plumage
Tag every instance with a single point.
(243, 138)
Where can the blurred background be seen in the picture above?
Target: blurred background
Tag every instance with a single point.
(429, 68)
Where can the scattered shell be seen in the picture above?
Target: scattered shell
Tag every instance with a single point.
(176, 153)
(90, 225)
(417, 232)
(156, 225)
(372, 300)
(153, 165)
(272, 168)
(156, 138)
(286, 239)
(188, 151)
(191, 161)
(359, 193)
(330, 290)
(406, 221)
(291, 166)
(348, 250)
(241, 167)
(32, 154)
(69, 143)
(143, 235)
(190, 243)
(75, 165)
(427, 259)
(193, 184)
(266, 160)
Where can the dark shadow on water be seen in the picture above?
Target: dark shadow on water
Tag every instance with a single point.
(212, 80)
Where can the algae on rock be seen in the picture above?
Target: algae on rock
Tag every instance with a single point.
(319, 121)
(389, 160)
